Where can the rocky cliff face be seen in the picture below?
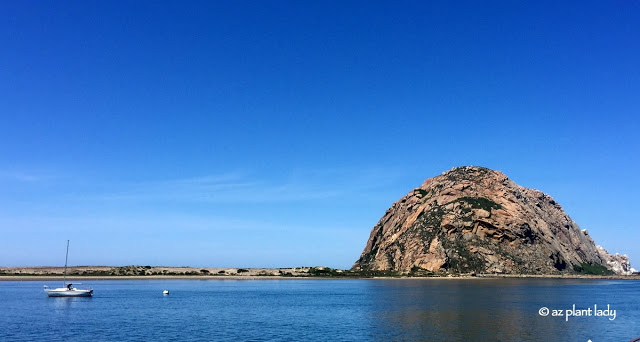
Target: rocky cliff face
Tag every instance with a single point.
(617, 263)
(473, 219)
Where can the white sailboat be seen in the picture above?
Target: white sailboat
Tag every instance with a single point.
(67, 290)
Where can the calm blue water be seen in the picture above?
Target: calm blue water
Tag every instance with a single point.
(322, 310)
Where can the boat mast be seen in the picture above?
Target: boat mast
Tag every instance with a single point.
(65, 266)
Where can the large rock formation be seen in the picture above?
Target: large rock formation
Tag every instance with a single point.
(473, 219)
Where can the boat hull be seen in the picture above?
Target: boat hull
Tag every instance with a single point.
(68, 293)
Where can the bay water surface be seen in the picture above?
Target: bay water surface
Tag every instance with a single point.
(324, 310)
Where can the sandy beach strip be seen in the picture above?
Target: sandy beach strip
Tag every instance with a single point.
(252, 277)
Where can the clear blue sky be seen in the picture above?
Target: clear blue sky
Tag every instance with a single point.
(272, 133)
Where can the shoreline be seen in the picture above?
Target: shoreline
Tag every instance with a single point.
(267, 277)
(137, 272)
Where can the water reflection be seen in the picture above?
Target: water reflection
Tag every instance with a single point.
(66, 306)
(484, 310)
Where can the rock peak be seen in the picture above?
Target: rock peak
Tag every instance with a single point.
(469, 168)
(468, 174)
